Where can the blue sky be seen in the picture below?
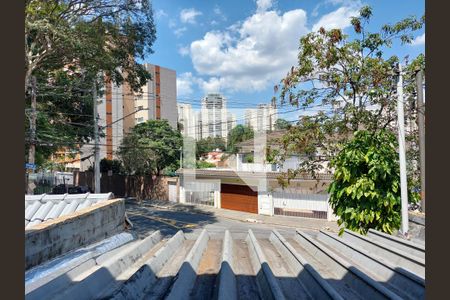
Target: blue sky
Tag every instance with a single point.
(242, 48)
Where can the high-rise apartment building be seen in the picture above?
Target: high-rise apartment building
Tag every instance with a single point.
(262, 118)
(117, 110)
(111, 110)
(215, 119)
(188, 120)
(159, 97)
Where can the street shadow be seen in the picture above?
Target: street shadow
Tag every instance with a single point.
(147, 219)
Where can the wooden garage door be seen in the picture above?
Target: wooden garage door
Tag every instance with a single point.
(239, 197)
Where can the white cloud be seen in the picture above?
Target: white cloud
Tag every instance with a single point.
(339, 18)
(188, 15)
(185, 82)
(179, 31)
(251, 55)
(160, 13)
(172, 23)
(263, 5)
(419, 40)
(183, 50)
(219, 14)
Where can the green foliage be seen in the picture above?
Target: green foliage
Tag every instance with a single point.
(346, 76)
(237, 135)
(93, 35)
(113, 165)
(68, 46)
(249, 158)
(201, 164)
(209, 144)
(150, 148)
(365, 192)
(281, 124)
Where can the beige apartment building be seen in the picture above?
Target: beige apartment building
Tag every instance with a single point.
(158, 98)
(117, 111)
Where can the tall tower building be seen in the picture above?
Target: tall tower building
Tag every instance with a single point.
(215, 119)
(262, 118)
(188, 120)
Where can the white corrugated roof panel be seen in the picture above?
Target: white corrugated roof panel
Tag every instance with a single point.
(40, 208)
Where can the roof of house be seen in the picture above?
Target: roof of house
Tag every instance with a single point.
(40, 208)
(230, 173)
(271, 139)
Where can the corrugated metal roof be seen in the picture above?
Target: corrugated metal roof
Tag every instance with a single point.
(40, 208)
(225, 265)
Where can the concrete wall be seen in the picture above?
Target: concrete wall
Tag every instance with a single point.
(52, 238)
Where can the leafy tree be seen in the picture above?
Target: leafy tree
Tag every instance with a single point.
(94, 35)
(209, 144)
(150, 148)
(68, 44)
(365, 192)
(237, 135)
(201, 164)
(113, 165)
(281, 124)
(352, 81)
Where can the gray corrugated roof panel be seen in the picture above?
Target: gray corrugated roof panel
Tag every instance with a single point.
(40, 208)
(56, 210)
(31, 210)
(71, 207)
(34, 197)
(85, 203)
(101, 196)
(30, 199)
(42, 212)
(54, 197)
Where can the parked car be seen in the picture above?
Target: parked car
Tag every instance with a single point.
(69, 189)
(60, 189)
(81, 189)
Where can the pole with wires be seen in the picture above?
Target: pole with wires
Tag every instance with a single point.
(96, 141)
(402, 155)
(32, 146)
(421, 125)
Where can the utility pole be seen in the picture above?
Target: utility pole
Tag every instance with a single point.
(32, 147)
(181, 157)
(402, 156)
(96, 147)
(421, 124)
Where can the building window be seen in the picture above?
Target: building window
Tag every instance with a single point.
(139, 120)
(139, 107)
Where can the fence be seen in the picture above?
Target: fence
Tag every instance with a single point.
(44, 182)
(140, 187)
(200, 192)
(300, 205)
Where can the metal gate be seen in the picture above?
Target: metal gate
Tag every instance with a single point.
(200, 193)
(172, 191)
(300, 205)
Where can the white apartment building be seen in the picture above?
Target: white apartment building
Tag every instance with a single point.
(215, 119)
(188, 119)
(262, 118)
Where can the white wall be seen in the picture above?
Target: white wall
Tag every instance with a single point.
(290, 200)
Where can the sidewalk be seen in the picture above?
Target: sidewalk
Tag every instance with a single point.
(292, 222)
